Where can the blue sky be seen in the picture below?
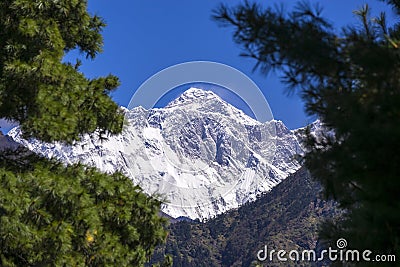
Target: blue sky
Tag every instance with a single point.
(143, 37)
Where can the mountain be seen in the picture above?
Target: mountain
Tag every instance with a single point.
(7, 143)
(199, 153)
(287, 218)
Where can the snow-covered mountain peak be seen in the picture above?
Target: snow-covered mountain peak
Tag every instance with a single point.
(195, 101)
(204, 155)
(194, 95)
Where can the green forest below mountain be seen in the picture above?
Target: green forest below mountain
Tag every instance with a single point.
(288, 217)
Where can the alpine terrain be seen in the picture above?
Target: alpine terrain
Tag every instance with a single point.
(200, 154)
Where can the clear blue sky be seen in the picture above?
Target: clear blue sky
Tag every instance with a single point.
(143, 37)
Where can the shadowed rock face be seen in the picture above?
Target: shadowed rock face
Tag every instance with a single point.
(7, 142)
(203, 154)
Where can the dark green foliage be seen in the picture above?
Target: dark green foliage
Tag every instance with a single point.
(350, 79)
(50, 99)
(52, 215)
(288, 217)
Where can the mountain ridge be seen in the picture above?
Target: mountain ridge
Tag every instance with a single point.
(288, 217)
(189, 151)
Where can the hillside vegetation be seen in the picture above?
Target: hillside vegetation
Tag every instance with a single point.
(287, 218)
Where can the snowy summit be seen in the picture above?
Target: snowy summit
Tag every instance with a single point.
(203, 155)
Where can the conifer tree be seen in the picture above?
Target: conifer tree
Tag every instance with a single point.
(50, 99)
(350, 79)
(52, 214)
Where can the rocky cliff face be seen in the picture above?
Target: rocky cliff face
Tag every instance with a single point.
(199, 153)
